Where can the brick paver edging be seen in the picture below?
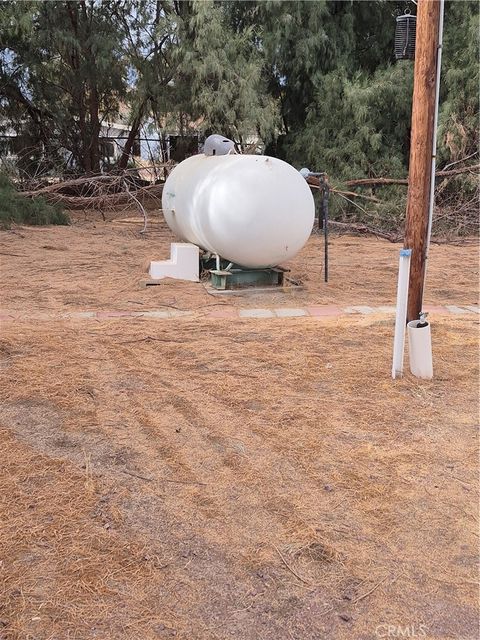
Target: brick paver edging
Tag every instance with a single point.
(319, 311)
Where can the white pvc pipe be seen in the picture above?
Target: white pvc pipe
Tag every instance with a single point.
(401, 315)
(420, 349)
(434, 143)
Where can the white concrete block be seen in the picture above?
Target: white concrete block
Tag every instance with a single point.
(359, 309)
(290, 313)
(79, 314)
(256, 313)
(454, 309)
(155, 314)
(183, 263)
(385, 309)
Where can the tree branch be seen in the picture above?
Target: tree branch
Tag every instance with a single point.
(403, 181)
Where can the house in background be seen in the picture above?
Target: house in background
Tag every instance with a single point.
(149, 146)
(113, 136)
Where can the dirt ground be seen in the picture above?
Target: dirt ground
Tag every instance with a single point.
(94, 265)
(215, 478)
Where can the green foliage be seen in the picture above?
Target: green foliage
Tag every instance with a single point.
(221, 70)
(386, 215)
(357, 126)
(62, 69)
(312, 48)
(150, 48)
(316, 81)
(459, 114)
(16, 209)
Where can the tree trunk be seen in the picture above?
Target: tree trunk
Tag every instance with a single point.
(91, 139)
(78, 91)
(132, 134)
(94, 142)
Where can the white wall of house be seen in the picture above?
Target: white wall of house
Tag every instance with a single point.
(113, 136)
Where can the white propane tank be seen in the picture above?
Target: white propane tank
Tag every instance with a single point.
(254, 211)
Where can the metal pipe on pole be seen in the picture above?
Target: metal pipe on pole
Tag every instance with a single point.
(434, 143)
(325, 198)
(423, 140)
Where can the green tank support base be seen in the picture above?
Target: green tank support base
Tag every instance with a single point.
(238, 278)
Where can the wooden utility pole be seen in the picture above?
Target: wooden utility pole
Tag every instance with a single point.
(421, 145)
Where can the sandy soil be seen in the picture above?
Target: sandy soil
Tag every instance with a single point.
(206, 479)
(98, 265)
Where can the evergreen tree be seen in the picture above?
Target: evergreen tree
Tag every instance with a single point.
(62, 68)
(459, 100)
(221, 76)
(324, 60)
(316, 79)
(358, 126)
(150, 46)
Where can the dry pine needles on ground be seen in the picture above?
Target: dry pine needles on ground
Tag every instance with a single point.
(200, 479)
(227, 481)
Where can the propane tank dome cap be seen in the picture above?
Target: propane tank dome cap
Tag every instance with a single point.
(217, 145)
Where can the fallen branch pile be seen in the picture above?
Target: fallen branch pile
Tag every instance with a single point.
(363, 229)
(100, 202)
(371, 182)
(103, 192)
(455, 213)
